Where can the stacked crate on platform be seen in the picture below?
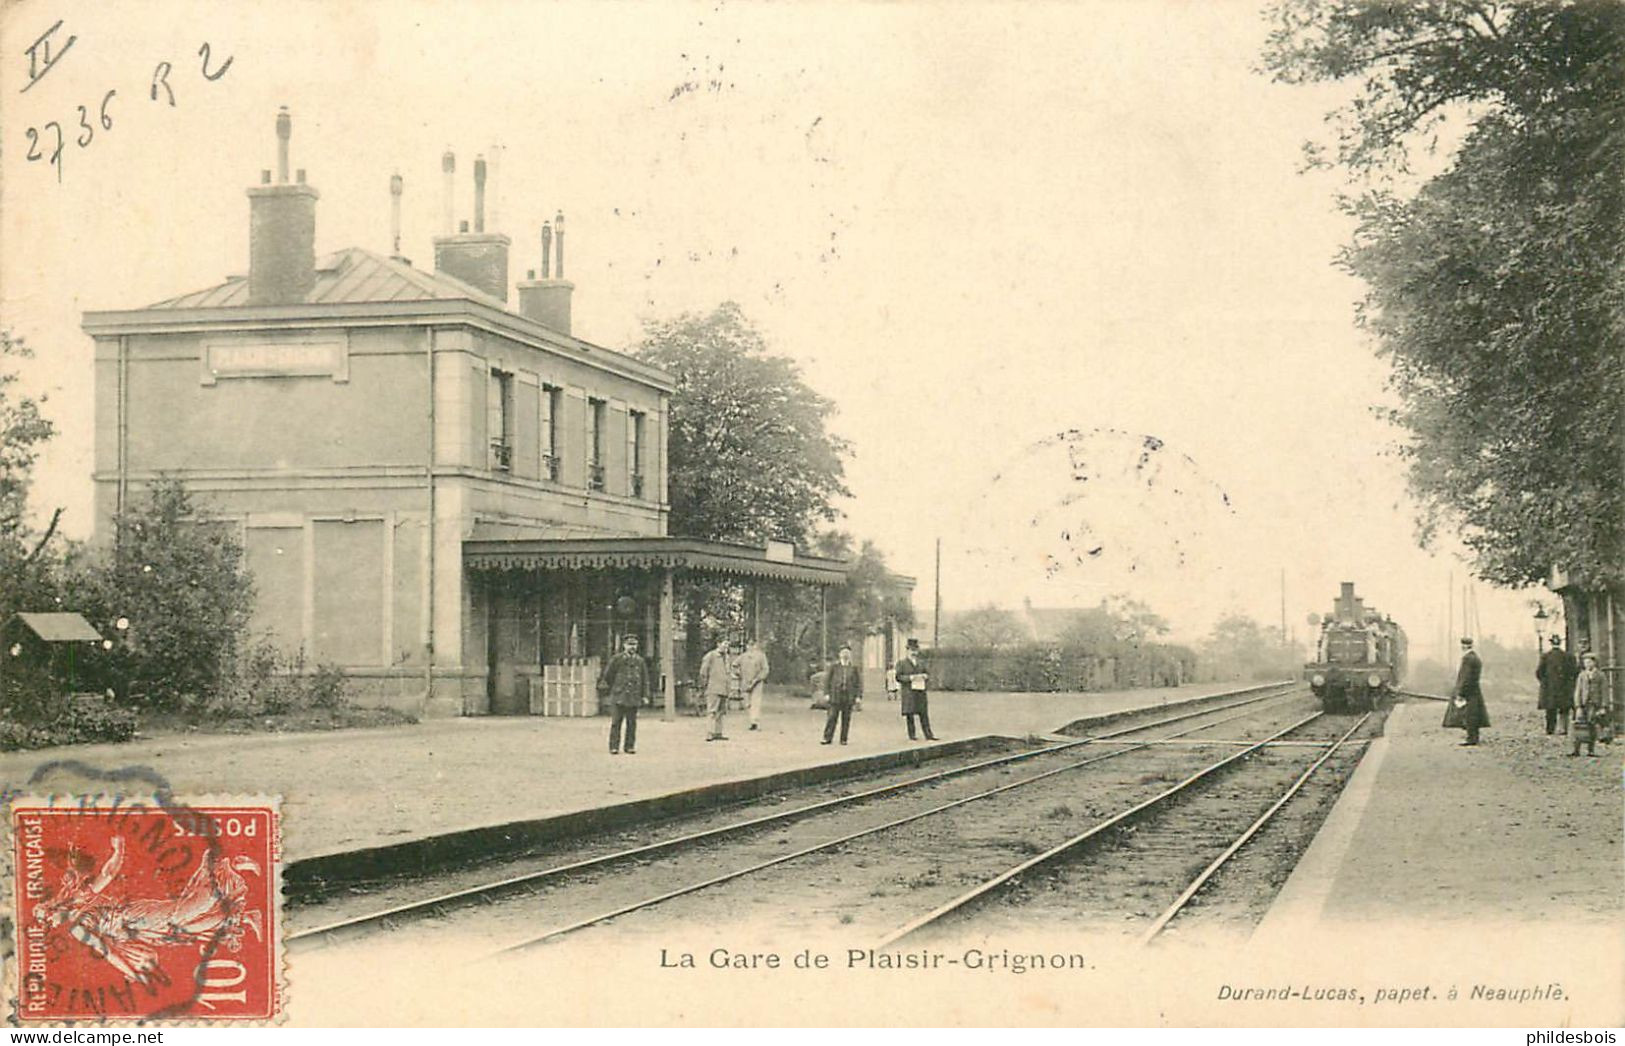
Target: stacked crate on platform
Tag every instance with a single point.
(567, 688)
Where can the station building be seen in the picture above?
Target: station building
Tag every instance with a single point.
(460, 503)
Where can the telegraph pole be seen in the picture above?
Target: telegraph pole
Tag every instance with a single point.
(936, 616)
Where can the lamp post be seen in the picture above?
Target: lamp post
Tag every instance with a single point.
(1540, 625)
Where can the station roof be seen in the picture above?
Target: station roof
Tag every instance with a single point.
(709, 557)
(346, 277)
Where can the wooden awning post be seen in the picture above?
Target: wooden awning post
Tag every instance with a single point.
(668, 646)
(823, 626)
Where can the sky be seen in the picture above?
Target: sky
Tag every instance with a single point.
(1056, 264)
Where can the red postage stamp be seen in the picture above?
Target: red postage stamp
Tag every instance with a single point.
(142, 911)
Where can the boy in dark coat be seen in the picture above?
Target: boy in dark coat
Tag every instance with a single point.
(626, 679)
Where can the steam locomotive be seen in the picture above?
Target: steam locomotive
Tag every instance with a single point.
(1360, 655)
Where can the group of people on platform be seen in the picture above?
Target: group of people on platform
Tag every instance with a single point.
(627, 683)
(1575, 696)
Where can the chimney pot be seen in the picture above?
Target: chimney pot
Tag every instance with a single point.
(301, 176)
(530, 274)
(547, 250)
(396, 186)
(479, 193)
(284, 131)
(558, 234)
(281, 231)
(448, 183)
(462, 226)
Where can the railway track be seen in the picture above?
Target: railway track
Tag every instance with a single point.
(530, 882)
(1099, 876)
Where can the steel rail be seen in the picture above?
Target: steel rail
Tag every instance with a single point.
(737, 873)
(1234, 848)
(522, 882)
(1116, 821)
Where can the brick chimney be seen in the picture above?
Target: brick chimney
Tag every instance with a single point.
(281, 231)
(478, 258)
(547, 300)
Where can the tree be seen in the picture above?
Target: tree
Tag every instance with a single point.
(751, 458)
(870, 600)
(1241, 648)
(1497, 290)
(26, 581)
(179, 586)
(986, 627)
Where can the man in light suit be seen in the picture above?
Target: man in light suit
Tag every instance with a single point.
(716, 681)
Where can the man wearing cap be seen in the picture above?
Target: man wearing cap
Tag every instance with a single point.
(1557, 672)
(1467, 692)
(626, 679)
(911, 678)
(843, 684)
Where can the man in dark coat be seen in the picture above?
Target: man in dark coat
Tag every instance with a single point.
(843, 683)
(626, 680)
(1474, 715)
(1557, 672)
(911, 678)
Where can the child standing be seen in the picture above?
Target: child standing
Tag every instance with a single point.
(1593, 706)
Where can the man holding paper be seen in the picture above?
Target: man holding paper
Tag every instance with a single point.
(911, 677)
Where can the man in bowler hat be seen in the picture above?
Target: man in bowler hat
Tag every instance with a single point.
(1474, 715)
(843, 684)
(1557, 672)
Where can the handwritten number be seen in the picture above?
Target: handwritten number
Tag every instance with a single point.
(84, 121)
(56, 154)
(33, 145)
(107, 121)
(203, 52)
(160, 76)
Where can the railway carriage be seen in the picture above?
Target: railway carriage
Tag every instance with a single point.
(1359, 657)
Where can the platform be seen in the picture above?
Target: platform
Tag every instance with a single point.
(1489, 868)
(349, 790)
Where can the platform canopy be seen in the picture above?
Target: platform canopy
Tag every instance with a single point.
(779, 562)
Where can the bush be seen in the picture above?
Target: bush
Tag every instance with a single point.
(40, 719)
(265, 681)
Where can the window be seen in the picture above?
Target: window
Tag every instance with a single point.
(550, 401)
(634, 453)
(595, 443)
(499, 420)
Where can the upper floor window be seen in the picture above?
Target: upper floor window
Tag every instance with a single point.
(551, 401)
(499, 420)
(634, 452)
(596, 410)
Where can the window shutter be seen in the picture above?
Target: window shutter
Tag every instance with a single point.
(632, 463)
